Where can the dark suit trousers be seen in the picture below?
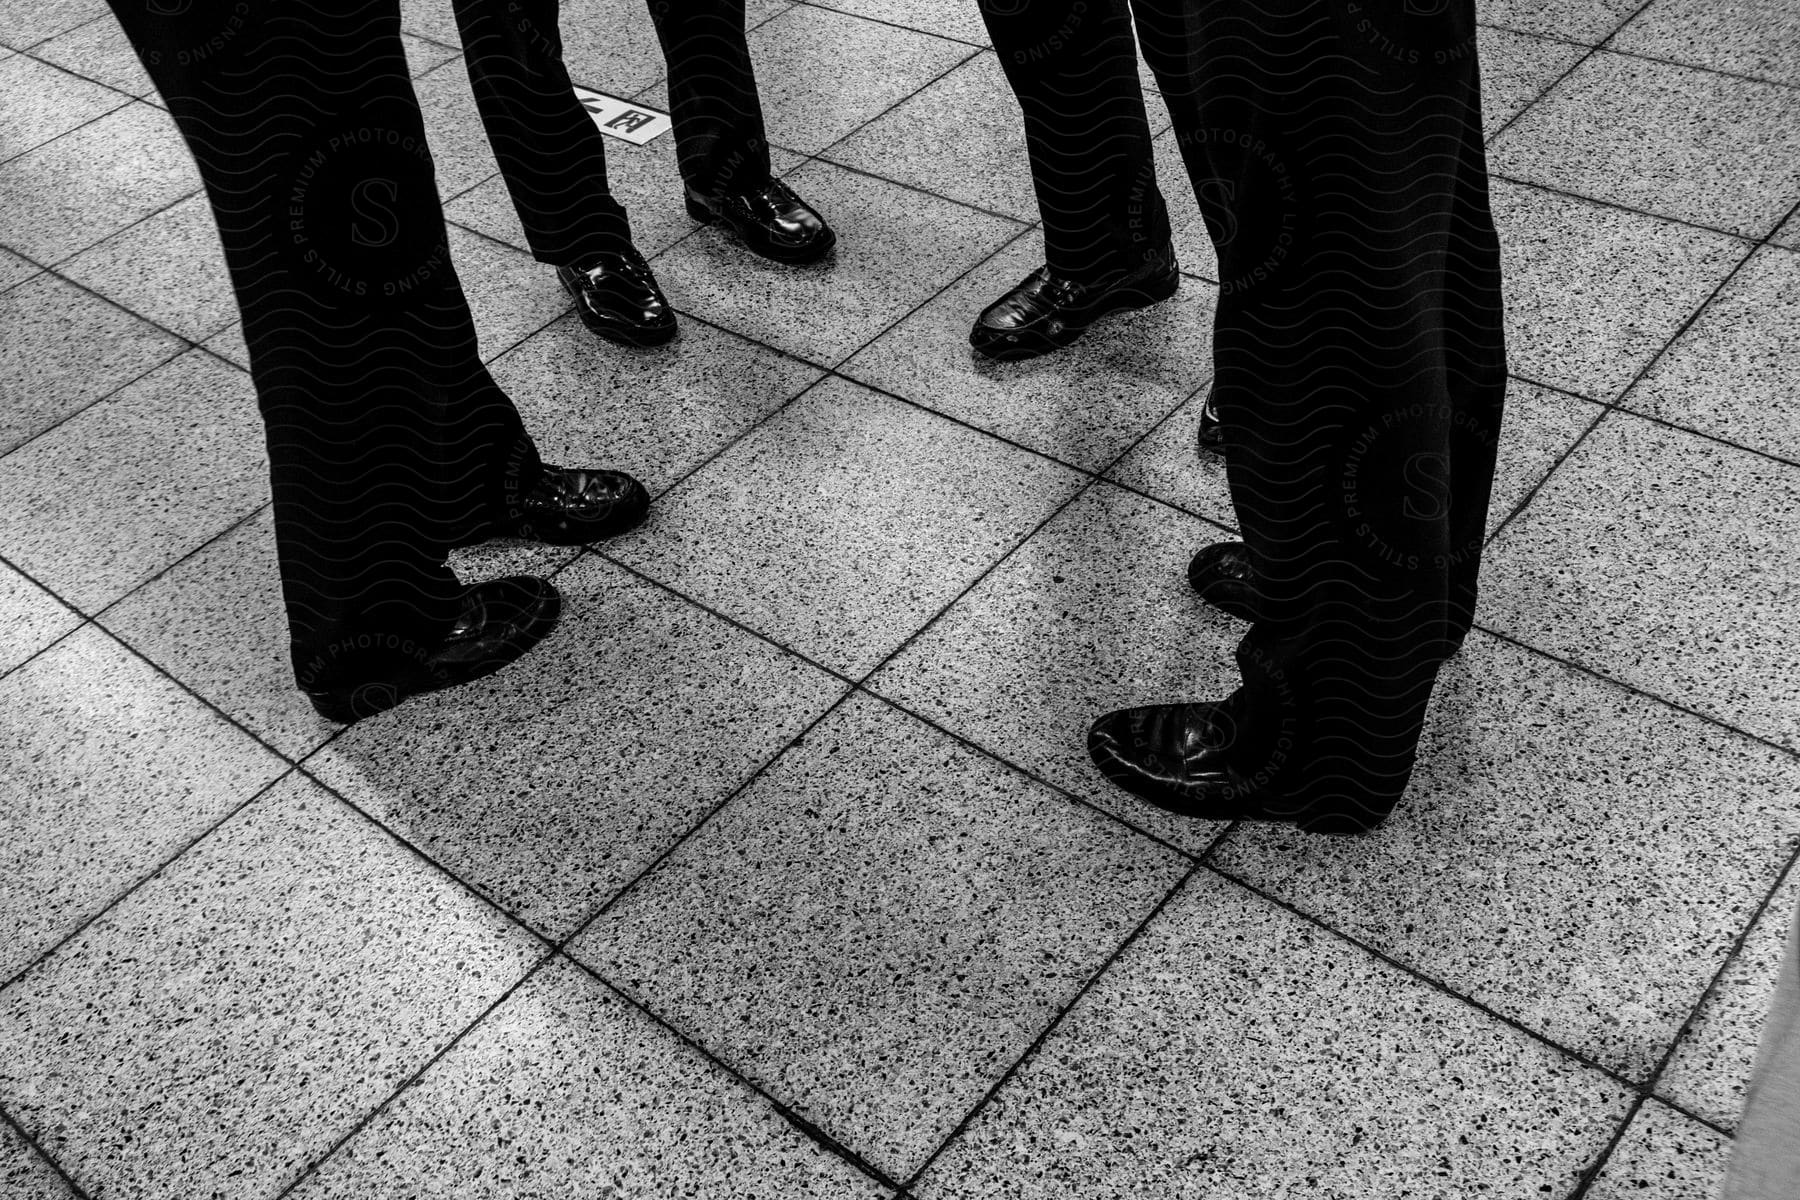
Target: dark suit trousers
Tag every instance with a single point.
(387, 438)
(552, 156)
(1335, 150)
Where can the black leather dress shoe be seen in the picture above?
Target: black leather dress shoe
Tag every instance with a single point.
(572, 505)
(1212, 429)
(770, 219)
(618, 298)
(1175, 757)
(1046, 311)
(499, 620)
(1222, 575)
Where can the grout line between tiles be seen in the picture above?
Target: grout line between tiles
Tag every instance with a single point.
(42, 1153)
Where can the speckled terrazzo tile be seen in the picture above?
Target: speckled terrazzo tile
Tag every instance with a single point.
(40, 102)
(1592, 293)
(1663, 1156)
(656, 413)
(944, 18)
(100, 51)
(566, 1090)
(24, 1174)
(168, 268)
(1093, 613)
(1550, 859)
(422, 56)
(1748, 37)
(611, 46)
(1516, 68)
(845, 522)
(1664, 139)
(184, 444)
(952, 139)
(1168, 465)
(432, 20)
(896, 249)
(24, 23)
(234, 1017)
(94, 181)
(30, 618)
(215, 622)
(459, 145)
(1236, 1050)
(15, 270)
(552, 784)
(822, 74)
(1586, 21)
(110, 769)
(229, 345)
(1710, 1069)
(1789, 233)
(979, 900)
(1730, 374)
(1084, 405)
(65, 348)
(1589, 571)
(511, 295)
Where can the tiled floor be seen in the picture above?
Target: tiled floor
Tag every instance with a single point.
(779, 869)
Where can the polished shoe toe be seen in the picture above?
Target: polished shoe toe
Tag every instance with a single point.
(1223, 576)
(617, 296)
(1046, 311)
(569, 506)
(496, 623)
(1173, 756)
(770, 219)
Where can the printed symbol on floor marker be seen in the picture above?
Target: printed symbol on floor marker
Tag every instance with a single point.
(623, 119)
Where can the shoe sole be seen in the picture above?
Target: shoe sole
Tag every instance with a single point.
(1121, 300)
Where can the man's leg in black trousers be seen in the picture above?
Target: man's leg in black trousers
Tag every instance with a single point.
(1073, 66)
(551, 155)
(719, 136)
(360, 343)
(1360, 372)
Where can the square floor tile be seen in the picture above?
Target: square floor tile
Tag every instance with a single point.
(1586, 21)
(1517, 68)
(845, 522)
(1664, 139)
(1169, 465)
(63, 349)
(235, 1016)
(1236, 1050)
(1663, 1155)
(822, 74)
(896, 249)
(30, 618)
(961, 137)
(1710, 1070)
(23, 23)
(1589, 571)
(24, 1175)
(1085, 405)
(656, 413)
(101, 52)
(422, 56)
(460, 152)
(109, 770)
(945, 18)
(39, 102)
(94, 181)
(433, 20)
(169, 268)
(611, 46)
(1730, 374)
(1789, 233)
(1746, 37)
(1093, 613)
(229, 345)
(566, 1090)
(1592, 293)
(1577, 858)
(551, 785)
(183, 456)
(511, 295)
(964, 907)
